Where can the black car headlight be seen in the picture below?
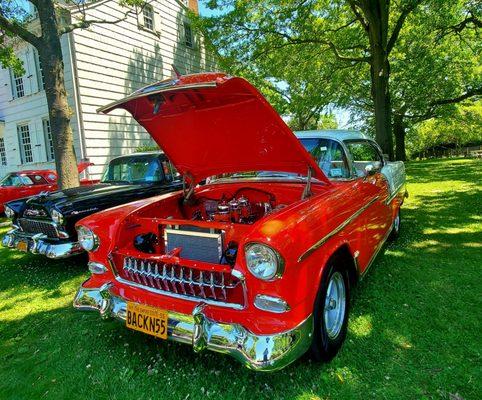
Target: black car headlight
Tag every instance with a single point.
(9, 212)
(87, 238)
(57, 217)
(263, 261)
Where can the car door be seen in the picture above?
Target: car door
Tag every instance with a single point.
(367, 163)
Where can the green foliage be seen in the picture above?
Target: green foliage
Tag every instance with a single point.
(459, 128)
(414, 329)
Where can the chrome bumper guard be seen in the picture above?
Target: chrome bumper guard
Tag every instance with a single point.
(257, 352)
(37, 244)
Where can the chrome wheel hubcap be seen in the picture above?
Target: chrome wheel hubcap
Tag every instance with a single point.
(396, 223)
(335, 302)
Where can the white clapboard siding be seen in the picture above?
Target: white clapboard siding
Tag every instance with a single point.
(109, 62)
(31, 109)
(113, 60)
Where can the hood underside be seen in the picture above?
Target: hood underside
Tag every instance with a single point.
(212, 124)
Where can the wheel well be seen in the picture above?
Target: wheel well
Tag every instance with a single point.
(343, 257)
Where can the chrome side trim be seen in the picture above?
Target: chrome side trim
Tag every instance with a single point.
(339, 228)
(217, 303)
(394, 194)
(258, 352)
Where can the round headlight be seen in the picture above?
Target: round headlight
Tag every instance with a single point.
(9, 212)
(263, 261)
(87, 239)
(57, 217)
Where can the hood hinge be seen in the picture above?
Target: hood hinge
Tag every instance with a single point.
(307, 191)
(187, 191)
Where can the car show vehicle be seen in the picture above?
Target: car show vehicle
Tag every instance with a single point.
(260, 261)
(16, 185)
(45, 223)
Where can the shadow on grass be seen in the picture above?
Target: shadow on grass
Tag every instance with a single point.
(414, 330)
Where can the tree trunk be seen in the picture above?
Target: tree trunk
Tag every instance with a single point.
(50, 54)
(399, 133)
(377, 13)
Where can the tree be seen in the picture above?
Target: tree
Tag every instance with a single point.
(435, 67)
(15, 22)
(339, 34)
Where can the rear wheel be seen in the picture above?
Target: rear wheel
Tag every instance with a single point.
(331, 313)
(396, 226)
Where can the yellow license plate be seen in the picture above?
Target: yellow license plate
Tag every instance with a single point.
(147, 319)
(22, 246)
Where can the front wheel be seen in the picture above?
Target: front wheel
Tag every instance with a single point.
(331, 313)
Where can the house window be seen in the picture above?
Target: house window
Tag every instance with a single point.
(19, 90)
(188, 39)
(148, 15)
(3, 154)
(26, 154)
(49, 143)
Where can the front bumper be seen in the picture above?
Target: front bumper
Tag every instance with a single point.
(257, 352)
(37, 244)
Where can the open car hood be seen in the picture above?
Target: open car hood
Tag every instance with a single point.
(83, 165)
(211, 124)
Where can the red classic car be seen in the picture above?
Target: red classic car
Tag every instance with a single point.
(258, 262)
(16, 185)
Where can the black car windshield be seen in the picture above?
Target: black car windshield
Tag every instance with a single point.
(134, 169)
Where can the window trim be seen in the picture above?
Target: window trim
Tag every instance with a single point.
(189, 44)
(23, 155)
(150, 17)
(49, 144)
(3, 153)
(16, 80)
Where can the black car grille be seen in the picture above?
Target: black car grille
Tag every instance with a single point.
(33, 227)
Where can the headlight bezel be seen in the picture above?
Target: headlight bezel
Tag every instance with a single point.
(8, 211)
(86, 235)
(57, 217)
(279, 262)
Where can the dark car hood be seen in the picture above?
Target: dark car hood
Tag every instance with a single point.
(84, 198)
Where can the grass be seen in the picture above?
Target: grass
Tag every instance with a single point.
(415, 328)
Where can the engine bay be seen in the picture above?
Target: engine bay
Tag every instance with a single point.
(245, 206)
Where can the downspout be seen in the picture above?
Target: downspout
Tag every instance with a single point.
(78, 107)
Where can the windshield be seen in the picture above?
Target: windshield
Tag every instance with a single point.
(328, 154)
(16, 180)
(135, 169)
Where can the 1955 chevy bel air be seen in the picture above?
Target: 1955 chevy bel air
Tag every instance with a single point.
(260, 261)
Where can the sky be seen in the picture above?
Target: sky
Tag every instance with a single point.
(342, 116)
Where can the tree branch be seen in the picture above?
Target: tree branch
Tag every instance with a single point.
(18, 30)
(85, 23)
(457, 28)
(359, 17)
(345, 58)
(398, 26)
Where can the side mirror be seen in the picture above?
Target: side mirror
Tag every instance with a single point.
(370, 170)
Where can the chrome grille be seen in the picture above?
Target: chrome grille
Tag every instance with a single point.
(213, 285)
(33, 227)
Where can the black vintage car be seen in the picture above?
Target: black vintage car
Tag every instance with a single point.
(44, 224)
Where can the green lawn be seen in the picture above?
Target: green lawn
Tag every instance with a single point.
(415, 329)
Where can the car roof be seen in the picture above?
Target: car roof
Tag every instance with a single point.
(33, 172)
(336, 134)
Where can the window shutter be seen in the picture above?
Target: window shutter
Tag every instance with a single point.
(140, 17)
(157, 23)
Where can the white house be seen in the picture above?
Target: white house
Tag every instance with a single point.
(102, 64)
